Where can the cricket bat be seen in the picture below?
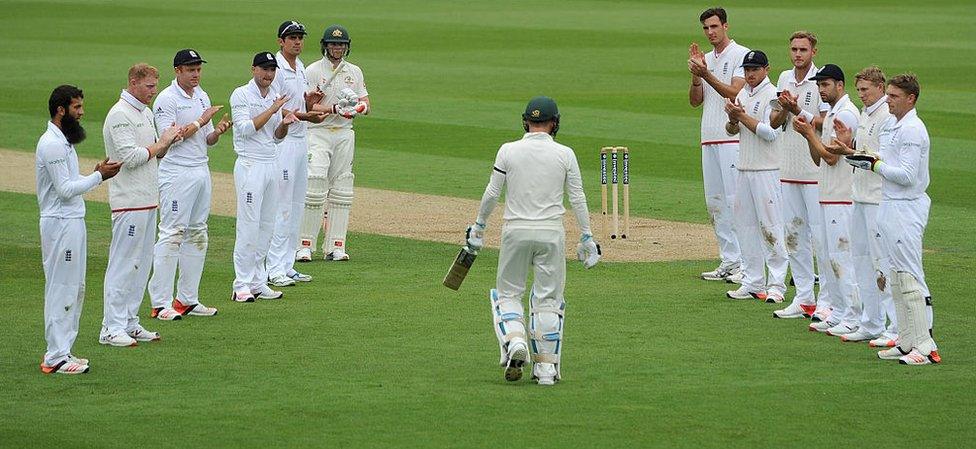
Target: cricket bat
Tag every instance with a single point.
(459, 269)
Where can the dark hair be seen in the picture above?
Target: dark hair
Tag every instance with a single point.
(61, 96)
(907, 82)
(716, 11)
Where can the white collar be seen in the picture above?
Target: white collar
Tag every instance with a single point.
(283, 63)
(183, 92)
(140, 106)
(537, 135)
(840, 103)
(253, 87)
(57, 132)
(877, 105)
(718, 54)
(752, 91)
(908, 115)
(810, 73)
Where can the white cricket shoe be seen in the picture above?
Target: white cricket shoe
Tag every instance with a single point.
(821, 326)
(65, 367)
(518, 354)
(120, 339)
(140, 333)
(300, 277)
(544, 373)
(304, 254)
(791, 311)
(744, 293)
(281, 281)
(267, 293)
(883, 342)
(841, 329)
(917, 358)
(893, 353)
(857, 336)
(337, 254)
(735, 277)
(774, 297)
(78, 360)
(193, 309)
(723, 271)
(820, 315)
(165, 314)
(242, 297)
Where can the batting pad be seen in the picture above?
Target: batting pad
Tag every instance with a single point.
(340, 202)
(508, 322)
(917, 313)
(315, 196)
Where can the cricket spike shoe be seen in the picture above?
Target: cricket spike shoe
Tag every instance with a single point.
(774, 297)
(883, 342)
(841, 329)
(793, 310)
(744, 293)
(300, 277)
(65, 367)
(242, 297)
(140, 333)
(337, 255)
(893, 353)
(193, 309)
(821, 326)
(544, 373)
(119, 339)
(917, 358)
(808, 310)
(165, 314)
(858, 336)
(518, 354)
(304, 254)
(281, 281)
(721, 273)
(267, 293)
(78, 360)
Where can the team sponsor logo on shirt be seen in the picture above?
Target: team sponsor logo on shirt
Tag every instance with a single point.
(56, 161)
(132, 230)
(120, 125)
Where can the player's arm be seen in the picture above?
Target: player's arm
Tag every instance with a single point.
(696, 92)
(817, 150)
(68, 185)
(760, 128)
(577, 198)
(909, 156)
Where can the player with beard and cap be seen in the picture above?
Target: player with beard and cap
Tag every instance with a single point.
(130, 136)
(331, 144)
(258, 129)
(184, 191)
(290, 80)
(62, 222)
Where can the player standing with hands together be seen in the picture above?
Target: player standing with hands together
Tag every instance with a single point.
(62, 221)
(537, 172)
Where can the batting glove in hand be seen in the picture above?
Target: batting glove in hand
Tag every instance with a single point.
(475, 236)
(349, 95)
(588, 251)
(863, 161)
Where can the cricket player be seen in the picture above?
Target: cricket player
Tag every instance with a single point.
(331, 145)
(799, 96)
(537, 173)
(715, 77)
(62, 222)
(290, 81)
(184, 191)
(903, 164)
(870, 258)
(835, 183)
(130, 137)
(258, 128)
(758, 199)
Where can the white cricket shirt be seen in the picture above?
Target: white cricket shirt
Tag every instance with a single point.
(905, 155)
(173, 105)
(536, 171)
(60, 186)
(867, 184)
(246, 103)
(796, 166)
(349, 76)
(128, 133)
(836, 180)
(755, 151)
(724, 66)
(292, 83)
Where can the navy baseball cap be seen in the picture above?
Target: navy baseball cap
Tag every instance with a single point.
(755, 58)
(828, 72)
(265, 59)
(290, 27)
(187, 56)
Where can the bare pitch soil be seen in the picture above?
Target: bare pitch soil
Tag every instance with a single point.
(432, 217)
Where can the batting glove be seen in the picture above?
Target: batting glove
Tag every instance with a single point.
(863, 161)
(588, 251)
(349, 95)
(475, 236)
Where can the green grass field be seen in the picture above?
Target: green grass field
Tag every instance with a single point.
(385, 356)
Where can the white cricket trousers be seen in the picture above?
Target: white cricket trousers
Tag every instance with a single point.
(902, 224)
(719, 173)
(257, 206)
(870, 263)
(184, 206)
(837, 273)
(541, 250)
(130, 258)
(330, 154)
(63, 253)
(801, 219)
(759, 229)
(293, 166)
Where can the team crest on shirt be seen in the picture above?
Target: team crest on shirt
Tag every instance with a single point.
(809, 98)
(725, 68)
(175, 206)
(755, 108)
(349, 81)
(248, 198)
(67, 255)
(284, 175)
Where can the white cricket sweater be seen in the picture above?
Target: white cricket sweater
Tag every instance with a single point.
(128, 133)
(756, 152)
(867, 184)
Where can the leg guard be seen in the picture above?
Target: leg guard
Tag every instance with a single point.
(340, 202)
(917, 322)
(906, 336)
(546, 330)
(315, 195)
(508, 322)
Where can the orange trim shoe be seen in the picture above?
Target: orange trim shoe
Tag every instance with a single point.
(193, 309)
(65, 367)
(808, 310)
(165, 314)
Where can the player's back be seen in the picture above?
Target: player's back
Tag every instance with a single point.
(535, 169)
